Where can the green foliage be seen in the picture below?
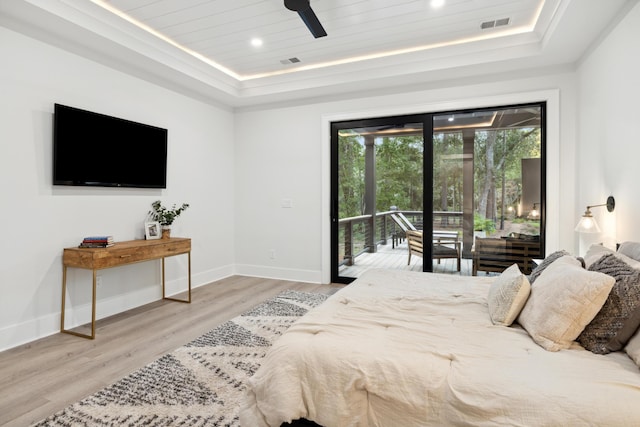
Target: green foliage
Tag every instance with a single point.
(166, 216)
(398, 171)
(447, 171)
(399, 176)
(530, 226)
(498, 156)
(481, 223)
(350, 176)
(497, 168)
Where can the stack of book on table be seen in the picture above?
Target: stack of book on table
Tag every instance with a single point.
(97, 242)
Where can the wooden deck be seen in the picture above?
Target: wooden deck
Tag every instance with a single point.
(396, 259)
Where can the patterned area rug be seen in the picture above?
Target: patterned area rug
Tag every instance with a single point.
(200, 384)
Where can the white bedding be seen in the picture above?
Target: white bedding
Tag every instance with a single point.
(413, 349)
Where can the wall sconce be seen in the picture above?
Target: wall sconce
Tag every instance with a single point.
(534, 213)
(588, 223)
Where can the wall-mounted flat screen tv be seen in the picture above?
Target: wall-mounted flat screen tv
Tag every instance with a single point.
(99, 150)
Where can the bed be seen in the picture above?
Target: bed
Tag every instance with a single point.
(401, 348)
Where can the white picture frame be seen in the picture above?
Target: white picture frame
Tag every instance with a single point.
(152, 230)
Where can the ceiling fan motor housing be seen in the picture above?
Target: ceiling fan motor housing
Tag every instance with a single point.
(297, 5)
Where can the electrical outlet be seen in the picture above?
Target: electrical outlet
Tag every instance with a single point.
(98, 281)
(272, 253)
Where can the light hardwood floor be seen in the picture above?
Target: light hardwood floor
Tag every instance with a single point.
(43, 377)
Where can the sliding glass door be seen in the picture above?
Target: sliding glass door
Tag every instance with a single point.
(478, 175)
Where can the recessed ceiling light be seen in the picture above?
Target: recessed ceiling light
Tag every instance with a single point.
(437, 3)
(256, 42)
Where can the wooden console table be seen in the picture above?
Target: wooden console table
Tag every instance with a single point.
(121, 253)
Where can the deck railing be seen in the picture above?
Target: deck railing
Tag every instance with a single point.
(356, 237)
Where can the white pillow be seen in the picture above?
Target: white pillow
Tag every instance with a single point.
(507, 295)
(633, 348)
(563, 300)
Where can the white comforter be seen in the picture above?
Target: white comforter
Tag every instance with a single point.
(415, 349)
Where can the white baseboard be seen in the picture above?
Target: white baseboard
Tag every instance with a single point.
(309, 276)
(34, 329)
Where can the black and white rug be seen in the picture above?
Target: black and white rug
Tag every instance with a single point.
(199, 384)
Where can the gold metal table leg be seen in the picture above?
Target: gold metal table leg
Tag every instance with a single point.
(93, 307)
(189, 263)
(188, 300)
(64, 296)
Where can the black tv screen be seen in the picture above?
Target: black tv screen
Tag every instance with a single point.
(99, 150)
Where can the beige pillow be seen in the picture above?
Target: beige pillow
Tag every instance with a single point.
(633, 348)
(563, 300)
(507, 295)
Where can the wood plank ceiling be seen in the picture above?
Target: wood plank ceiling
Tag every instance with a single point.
(222, 30)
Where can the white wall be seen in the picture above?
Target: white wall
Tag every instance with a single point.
(278, 159)
(38, 220)
(237, 169)
(608, 149)
(283, 153)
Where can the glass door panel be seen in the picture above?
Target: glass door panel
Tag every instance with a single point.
(448, 183)
(379, 183)
(488, 184)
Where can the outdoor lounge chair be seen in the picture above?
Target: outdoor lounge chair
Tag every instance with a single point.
(443, 247)
(406, 221)
(398, 235)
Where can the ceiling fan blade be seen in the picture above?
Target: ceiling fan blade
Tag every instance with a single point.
(303, 7)
(311, 21)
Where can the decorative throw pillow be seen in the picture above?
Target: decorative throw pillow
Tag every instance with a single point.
(630, 249)
(536, 272)
(633, 348)
(619, 317)
(507, 295)
(564, 299)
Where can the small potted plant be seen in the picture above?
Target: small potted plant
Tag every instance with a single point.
(166, 216)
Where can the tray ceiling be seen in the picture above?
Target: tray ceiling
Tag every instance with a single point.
(205, 46)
